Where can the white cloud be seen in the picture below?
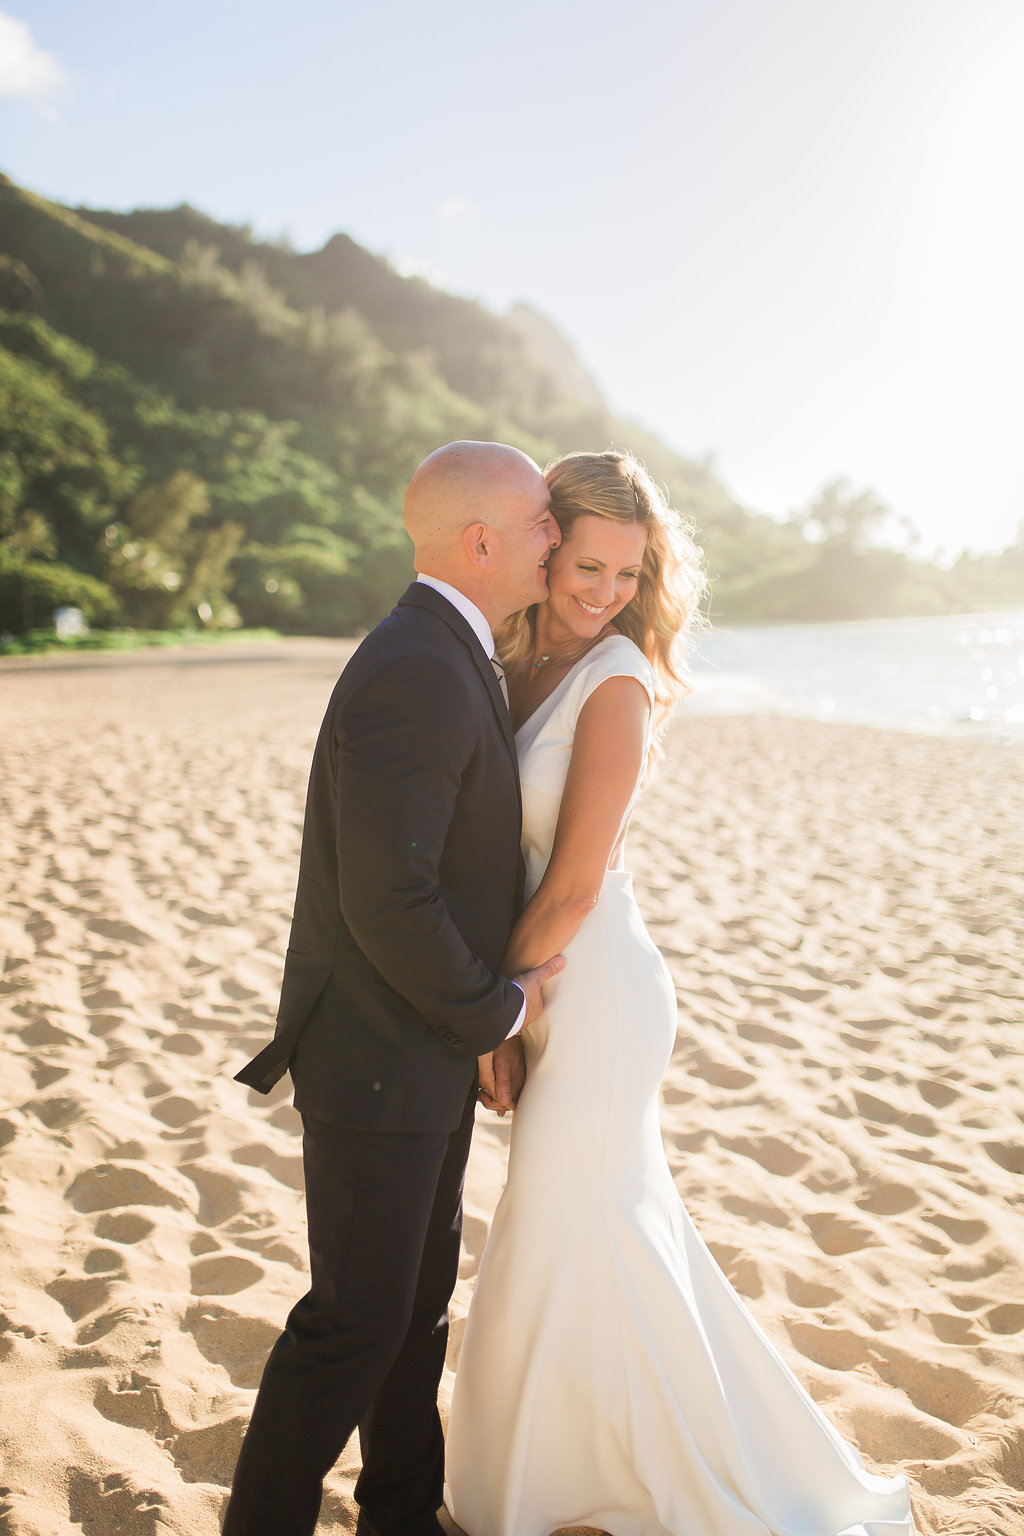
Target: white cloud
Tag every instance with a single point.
(26, 70)
(456, 210)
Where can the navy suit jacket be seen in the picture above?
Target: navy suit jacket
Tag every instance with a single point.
(410, 879)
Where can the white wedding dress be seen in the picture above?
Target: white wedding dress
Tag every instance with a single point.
(609, 1375)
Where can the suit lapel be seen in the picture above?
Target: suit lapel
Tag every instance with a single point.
(490, 677)
(419, 595)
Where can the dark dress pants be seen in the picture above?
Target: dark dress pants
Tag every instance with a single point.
(366, 1345)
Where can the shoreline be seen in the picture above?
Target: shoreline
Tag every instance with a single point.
(981, 733)
(282, 648)
(704, 703)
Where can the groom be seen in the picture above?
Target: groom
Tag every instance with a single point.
(410, 879)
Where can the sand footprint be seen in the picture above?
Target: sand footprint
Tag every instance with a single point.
(119, 932)
(183, 1043)
(860, 1043)
(672, 1095)
(224, 1274)
(1008, 1155)
(108, 1186)
(123, 1226)
(134, 1402)
(719, 1074)
(205, 918)
(755, 1211)
(943, 1391)
(219, 1195)
(208, 1454)
(962, 1230)
(810, 1294)
(836, 1348)
(286, 1170)
(237, 992)
(103, 1261)
(79, 1298)
(46, 1073)
(114, 1503)
(98, 996)
(949, 1329)
(889, 1199)
(869, 1107)
(774, 1156)
(239, 1344)
(800, 994)
(41, 1031)
(896, 1434)
(286, 1118)
(272, 1247)
(978, 1268)
(760, 1034)
(155, 1087)
(1008, 1317)
(936, 1093)
(40, 929)
(175, 1111)
(968, 1302)
(58, 1111)
(836, 1234)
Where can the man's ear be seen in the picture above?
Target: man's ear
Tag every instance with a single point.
(477, 542)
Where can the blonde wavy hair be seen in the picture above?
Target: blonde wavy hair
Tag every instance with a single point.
(671, 582)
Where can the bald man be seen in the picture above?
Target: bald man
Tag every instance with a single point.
(410, 879)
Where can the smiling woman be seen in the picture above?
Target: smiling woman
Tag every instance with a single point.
(591, 577)
(609, 1377)
(626, 563)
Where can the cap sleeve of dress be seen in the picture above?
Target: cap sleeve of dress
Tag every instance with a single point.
(615, 657)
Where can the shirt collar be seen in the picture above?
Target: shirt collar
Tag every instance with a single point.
(469, 610)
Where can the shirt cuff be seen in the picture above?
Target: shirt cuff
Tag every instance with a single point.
(517, 1026)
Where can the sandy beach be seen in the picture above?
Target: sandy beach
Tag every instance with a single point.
(842, 909)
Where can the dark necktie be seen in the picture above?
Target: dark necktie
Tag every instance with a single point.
(499, 672)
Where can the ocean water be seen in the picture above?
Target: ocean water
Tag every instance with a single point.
(960, 673)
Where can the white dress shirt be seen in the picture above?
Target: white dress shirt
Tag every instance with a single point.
(469, 610)
(480, 627)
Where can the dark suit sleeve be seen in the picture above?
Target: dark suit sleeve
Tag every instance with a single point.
(402, 743)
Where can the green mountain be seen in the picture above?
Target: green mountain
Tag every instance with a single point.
(198, 427)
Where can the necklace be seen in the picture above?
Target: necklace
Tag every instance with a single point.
(571, 657)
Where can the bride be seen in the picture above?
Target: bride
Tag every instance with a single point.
(609, 1375)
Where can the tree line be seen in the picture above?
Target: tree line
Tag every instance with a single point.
(199, 429)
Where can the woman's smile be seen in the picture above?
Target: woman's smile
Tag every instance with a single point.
(592, 575)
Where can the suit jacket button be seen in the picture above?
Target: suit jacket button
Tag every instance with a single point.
(376, 1087)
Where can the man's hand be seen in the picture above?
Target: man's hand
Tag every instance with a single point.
(531, 983)
(502, 1074)
(488, 1090)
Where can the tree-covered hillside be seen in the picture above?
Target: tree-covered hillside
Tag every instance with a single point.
(200, 428)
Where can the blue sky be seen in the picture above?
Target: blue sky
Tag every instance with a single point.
(784, 233)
